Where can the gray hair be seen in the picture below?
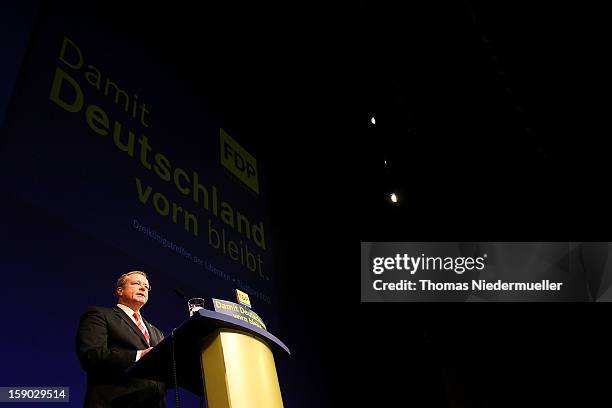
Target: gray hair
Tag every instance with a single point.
(123, 278)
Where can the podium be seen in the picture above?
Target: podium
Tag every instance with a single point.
(228, 361)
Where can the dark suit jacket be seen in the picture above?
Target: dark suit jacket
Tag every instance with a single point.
(107, 341)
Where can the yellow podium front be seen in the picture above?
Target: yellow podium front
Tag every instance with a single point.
(239, 371)
(227, 358)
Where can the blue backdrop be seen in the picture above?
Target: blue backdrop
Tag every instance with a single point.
(76, 212)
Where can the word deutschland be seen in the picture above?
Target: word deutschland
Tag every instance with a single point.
(476, 285)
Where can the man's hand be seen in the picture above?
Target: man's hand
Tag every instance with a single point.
(141, 353)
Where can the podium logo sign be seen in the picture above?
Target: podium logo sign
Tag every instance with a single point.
(238, 161)
(243, 298)
(238, 312)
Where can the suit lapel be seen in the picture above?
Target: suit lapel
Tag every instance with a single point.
(130, 323)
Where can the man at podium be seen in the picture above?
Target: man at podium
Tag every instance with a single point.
(109, 340)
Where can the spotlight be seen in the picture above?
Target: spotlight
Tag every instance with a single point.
(393, 197)
(373, 120)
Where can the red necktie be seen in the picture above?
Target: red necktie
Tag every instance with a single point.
(142, 328)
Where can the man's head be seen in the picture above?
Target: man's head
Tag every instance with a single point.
(133, 289)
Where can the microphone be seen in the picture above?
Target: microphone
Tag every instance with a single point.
(180, 294)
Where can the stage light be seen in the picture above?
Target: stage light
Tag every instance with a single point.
(373, 120)
(394, 197)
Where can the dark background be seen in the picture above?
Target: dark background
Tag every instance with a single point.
(493, 120)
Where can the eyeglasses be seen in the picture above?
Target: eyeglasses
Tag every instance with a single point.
(146, 286)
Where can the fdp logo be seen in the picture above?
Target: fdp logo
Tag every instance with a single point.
(243, 298)
(238, 161)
